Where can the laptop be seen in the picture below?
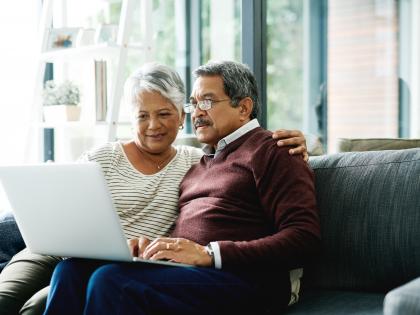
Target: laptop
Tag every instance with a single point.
(66, 210)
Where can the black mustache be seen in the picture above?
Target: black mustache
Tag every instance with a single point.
(201, 122)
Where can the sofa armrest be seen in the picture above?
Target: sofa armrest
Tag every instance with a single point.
(404, 300)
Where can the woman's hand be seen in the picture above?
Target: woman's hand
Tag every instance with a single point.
(138, 245)
(178, 250)
(294, 138)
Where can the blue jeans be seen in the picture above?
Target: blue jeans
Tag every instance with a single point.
(83, 286)
(11, 241)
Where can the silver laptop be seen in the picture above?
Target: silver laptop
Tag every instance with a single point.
(66, 210)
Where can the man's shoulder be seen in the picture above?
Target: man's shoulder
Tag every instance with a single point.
(261, 141)
(265, 157)
(261, 134)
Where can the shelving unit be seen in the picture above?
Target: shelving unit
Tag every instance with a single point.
(102, 51)
(115, 53)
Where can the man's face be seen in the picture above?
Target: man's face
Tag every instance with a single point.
(219, 121)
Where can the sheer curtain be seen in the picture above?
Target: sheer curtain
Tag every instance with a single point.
(18, 35)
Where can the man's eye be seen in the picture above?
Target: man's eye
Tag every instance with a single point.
(142, 117)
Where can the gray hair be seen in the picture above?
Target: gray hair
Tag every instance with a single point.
(238, 81)
(154, 77)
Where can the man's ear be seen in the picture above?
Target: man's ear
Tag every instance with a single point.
(245, 108)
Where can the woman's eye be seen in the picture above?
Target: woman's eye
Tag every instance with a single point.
(165, 114)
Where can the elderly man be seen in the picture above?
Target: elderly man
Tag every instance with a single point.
(247, 218)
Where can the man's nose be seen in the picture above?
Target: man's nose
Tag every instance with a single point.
(197, 112)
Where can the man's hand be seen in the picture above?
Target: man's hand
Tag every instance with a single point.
(138, 245)
(294, 138)
(178, 250)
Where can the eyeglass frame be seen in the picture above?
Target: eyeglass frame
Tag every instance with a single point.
(205, 104)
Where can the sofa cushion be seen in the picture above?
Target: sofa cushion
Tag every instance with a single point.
(370, 217)
(326, 302)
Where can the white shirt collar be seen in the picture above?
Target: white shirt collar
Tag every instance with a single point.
(231, 137)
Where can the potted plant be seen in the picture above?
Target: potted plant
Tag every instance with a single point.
(61, 102)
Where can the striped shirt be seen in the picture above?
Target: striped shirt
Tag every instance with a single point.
(146, 204)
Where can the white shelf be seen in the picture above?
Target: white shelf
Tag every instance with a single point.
(77, 124)
(114, 53)
(102, 51)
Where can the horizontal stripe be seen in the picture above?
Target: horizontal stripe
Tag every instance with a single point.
(146, 204)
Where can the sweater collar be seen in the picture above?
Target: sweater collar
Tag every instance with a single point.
(251, 125)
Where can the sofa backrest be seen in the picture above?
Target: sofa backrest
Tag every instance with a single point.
(370, 220)
(376, 144)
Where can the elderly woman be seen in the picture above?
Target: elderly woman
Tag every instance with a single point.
(143, 176)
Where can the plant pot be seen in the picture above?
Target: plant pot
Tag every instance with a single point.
(61, 113)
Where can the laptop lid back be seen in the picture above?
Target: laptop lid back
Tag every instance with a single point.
(65, 210)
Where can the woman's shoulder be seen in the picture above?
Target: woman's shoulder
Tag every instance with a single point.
(189, 152)
(103, 151)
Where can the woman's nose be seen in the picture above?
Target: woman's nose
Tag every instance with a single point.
(154, 123)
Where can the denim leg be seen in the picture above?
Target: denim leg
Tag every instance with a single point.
(68, 286)
(11, 241)
(143, 289)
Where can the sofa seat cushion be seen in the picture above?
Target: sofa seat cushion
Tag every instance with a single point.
(329, 302)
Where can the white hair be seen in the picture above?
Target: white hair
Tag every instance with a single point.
(155, 77)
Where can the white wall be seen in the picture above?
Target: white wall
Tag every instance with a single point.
(18, 34)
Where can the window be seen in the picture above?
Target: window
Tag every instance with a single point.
(221, 30)
(362, 69)
(343, 69)
(285, 64)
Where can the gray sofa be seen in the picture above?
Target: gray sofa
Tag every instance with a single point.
(370, 220)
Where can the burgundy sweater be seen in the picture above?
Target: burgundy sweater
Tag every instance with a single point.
(255, 200)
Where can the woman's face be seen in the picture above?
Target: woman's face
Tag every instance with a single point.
(157, 122)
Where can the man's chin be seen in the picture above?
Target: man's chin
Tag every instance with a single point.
(204, 137)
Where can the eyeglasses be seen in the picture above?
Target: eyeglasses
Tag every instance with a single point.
(203, 105)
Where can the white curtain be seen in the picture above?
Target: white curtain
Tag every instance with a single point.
(19, 21)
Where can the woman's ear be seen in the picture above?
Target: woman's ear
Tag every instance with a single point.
(182, 121)
(245, 108)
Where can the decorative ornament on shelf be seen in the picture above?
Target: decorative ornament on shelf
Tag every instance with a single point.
(61, 102)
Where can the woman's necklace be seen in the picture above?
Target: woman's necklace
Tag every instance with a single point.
(161, 164)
